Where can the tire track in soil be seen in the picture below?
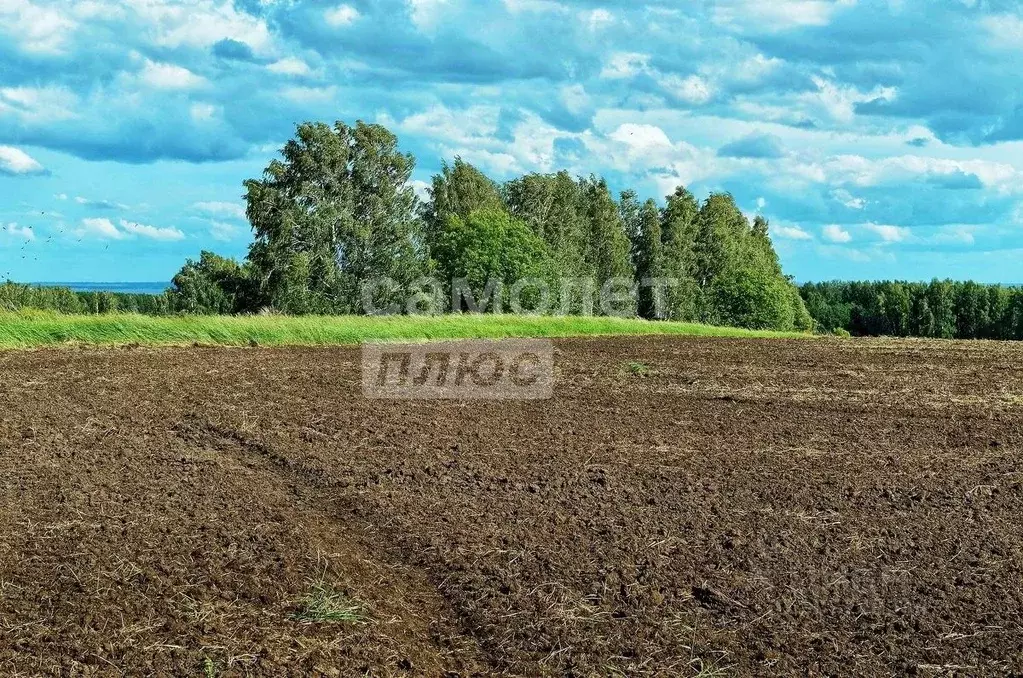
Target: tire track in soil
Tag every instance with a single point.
(316, 490)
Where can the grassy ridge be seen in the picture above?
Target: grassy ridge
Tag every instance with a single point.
(32, 329)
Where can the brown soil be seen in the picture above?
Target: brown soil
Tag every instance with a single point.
(746, 508)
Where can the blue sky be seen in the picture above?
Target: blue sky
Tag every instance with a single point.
(882, 138)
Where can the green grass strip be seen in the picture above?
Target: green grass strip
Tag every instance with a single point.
(29, 329)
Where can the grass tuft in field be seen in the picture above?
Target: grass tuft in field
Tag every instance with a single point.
(639, 369)
(325, 605)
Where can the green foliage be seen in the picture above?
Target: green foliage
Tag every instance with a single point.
(492, 246)
(212, 285)
(639, 369)
(943, 309)
(336, 212)
(648, 255)
(678, 233)
(553, 205)
(459, 190)
(746, 297)
(336, 224)
(607, 245)
(16, 297)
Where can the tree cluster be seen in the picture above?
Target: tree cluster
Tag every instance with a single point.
(942, 308)
(337, 214)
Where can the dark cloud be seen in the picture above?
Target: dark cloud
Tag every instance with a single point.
(956, 181)
(753, 146)
(232, 49)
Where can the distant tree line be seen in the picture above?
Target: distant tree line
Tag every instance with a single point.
(337, 214)
(16, 296)
(942, 308)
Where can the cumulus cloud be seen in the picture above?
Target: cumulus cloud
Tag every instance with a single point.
(756, 100)
(90, 203)
(289, 66)
(13, 231)
(888, 233)
(37, 29)
(757, 146)
(103, 228)
(790, 232)
(836, 234)
(223, 231)
(152, 232)
(99, 227)
(14, 161)
(169, 76)
(221, 209)
(625, 65)
(342, 15)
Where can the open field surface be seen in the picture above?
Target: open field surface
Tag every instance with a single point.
(29, 329)
(738, 507)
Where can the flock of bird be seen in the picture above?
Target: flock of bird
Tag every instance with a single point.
(26, 251)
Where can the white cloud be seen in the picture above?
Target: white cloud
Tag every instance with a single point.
(425, 13)
(37, 29)
(692, 89)
(16, 161)
(169, 76)
(153, 232)
(790, 232)
(16, 232)
(289, 66)
(846, 198)
(309, 95)
(1005, 30)
(575, 98)
(38, 104)
(958, 234)
(453, 126)
(222, 209)
(625, 65)
(422, 189)
(104, 228)
(536, 6)
(889, 233)
(100, 228)
(596, 19)
(342, 15)
(201, 24)
(776, 15)
(201, 112)
(835, 233)
(862, 171)
(839, 102)
(223, 231)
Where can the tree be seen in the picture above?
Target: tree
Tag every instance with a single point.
(607, 245)
(744, 297)
(551, 204)
(678, 234)
(649, 259)
(922, 323)
(493, 247)
(212, 285)
(459, 190)
(337, 212)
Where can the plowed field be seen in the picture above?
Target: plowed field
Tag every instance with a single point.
(733, 507)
